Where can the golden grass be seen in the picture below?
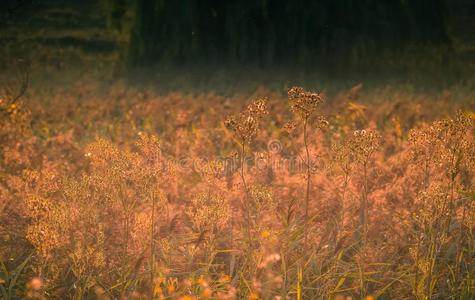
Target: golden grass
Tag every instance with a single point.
(127, 193)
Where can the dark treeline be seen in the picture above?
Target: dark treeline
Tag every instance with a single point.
(11, 7)
(282, 32)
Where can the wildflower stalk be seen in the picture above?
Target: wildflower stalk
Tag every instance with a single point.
(416, 263)
(248, 198)
(152, 247)
(342, 208)
(308, 177)
(342, 158)
(364, 201)
(363, 145)
(245, 127)
(305, 105)
(126, 218)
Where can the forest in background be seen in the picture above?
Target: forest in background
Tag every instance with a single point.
(405, 41)
(332, 37)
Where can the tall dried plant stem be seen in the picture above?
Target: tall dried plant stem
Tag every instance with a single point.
(152, 248)
(363, 222)
(126, 233)
(455, 157)
(416, 290)
(341, 217)
(364, 203)
(448, 212)
(128, 209)
(248, 198)
(307, 176)
(125, 209)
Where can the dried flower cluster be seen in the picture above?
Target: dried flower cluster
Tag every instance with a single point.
(304, 103)
(246, 124)
(363, 144)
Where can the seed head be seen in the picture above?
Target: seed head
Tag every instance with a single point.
(363, 144)
(245, 125)
(304, 103)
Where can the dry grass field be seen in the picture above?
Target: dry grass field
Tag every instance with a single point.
(261, 189)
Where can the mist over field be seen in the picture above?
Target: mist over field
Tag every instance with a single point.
(265, 149)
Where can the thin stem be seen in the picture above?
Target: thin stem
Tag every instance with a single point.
(364, 200)
(341, 215)
(363, 221)
(416, 276)
(426, 174)
(246, 204)
(152, 248)
(127, 216)
(308, 174)
(126, 211)
(448, 202)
